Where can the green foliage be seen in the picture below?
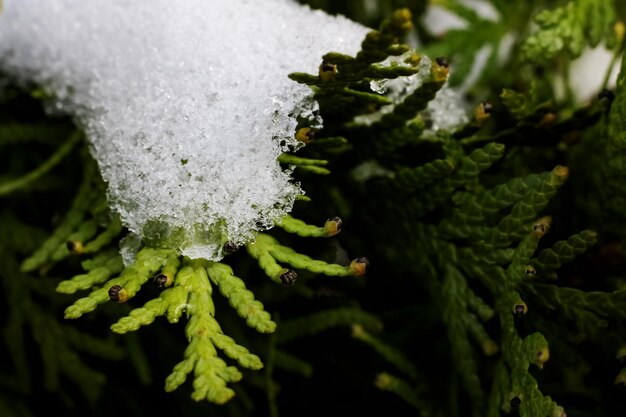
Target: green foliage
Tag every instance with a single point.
(60, 346)
(187, 288)
(8, 186)
(471, 239)
(606, 166)
(89, 231)
(570, 28)
(488, 294)
(315, 323)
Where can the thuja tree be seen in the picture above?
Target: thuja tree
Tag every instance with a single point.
(494, 236)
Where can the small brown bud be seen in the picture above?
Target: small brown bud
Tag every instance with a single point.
(414, 59)
(439, 70)
(520, 309)
(288, 277)
(442, 62)
(333, 226)
(561, 171)
(118, 294)
(230, 247)
(359, 266)
(548, 119)
(305, 135)
(162, 281)
(327, 71)
(75, 247)
(482, 112)
(542, 226)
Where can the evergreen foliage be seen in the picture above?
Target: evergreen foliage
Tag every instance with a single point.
(497, 284)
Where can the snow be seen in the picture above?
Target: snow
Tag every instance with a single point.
(186, 104)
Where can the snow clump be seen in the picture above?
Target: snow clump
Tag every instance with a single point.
(186, 104)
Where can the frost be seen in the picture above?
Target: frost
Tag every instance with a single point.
(308, 110)
(379, 86)
(370, 169)
(399, 88)
(396, 89)
(186, 104)
(129, 247)
(445, 112)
